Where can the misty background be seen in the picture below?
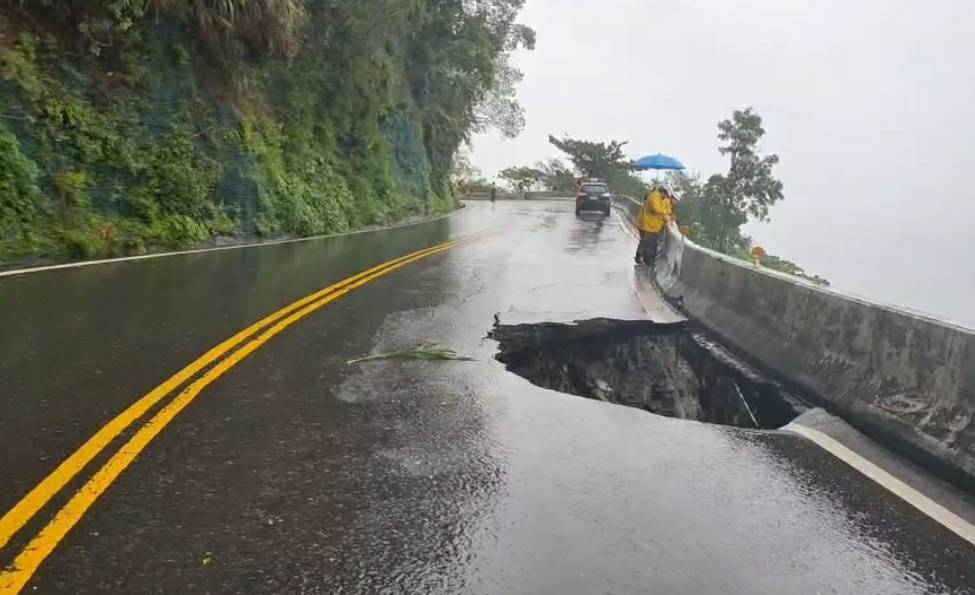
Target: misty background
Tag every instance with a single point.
(869, 104)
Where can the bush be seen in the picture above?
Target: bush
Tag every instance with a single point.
(19, 194)
(178, 181)
(18, 65)
(179, 231)
(71, 185)
(82, 244)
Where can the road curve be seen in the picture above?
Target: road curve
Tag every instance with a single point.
(293, 471)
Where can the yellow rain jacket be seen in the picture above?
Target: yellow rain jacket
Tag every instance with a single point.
(656, 210)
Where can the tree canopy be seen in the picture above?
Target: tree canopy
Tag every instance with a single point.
(593, 158)
(718, 208)
(523, 179)
(556, 176)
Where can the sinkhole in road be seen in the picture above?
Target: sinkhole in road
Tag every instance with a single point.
(669, 369)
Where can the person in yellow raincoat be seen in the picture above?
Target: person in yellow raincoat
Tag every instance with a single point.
(657, 210)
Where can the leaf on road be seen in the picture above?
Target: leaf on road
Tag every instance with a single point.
(421, 353)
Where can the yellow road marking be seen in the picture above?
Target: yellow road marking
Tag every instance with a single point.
(29, 505)
(40, 547)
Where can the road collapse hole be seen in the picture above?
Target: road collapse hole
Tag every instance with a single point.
(668, 369)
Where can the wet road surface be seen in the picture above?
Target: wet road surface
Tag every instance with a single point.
(297, 472)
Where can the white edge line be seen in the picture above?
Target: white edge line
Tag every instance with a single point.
(927, 506)
(678, 315)
(622, 224)
(939, 513)
(88, 263)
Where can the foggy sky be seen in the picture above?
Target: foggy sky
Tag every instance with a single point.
(870, 105)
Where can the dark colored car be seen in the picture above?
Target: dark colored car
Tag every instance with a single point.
(592, 194)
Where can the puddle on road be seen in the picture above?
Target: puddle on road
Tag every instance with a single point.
(668, 369)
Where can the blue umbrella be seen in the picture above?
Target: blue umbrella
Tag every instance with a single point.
(657, 161)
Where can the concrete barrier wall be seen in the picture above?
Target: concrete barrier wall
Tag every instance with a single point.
(902, 377)
(627, 206)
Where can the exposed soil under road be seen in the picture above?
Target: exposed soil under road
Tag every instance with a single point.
(668, 369)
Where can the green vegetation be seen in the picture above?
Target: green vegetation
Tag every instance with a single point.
(714, 211)
(787, 266)
(137, 125)
(591, 158)
(602, 160)
(557, 177)
(522, 179)
(551, 175)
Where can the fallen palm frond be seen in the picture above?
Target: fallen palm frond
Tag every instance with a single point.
(416, 353)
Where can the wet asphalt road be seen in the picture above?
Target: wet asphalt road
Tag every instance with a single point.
(299, 473)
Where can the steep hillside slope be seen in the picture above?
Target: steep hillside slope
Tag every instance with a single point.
(135, 125)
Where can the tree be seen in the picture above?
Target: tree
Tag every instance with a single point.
(787, 266)
(462, 169)
(602, 160)
(479, 184)
(523, 179)
(460, 71)
(499, 107)
(626, 183)
(558, 177)
(592, 158)
(718, 208)
(749, 184)
(261, 27)
(712, 219)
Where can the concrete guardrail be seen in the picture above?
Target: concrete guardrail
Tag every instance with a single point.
(904, 378)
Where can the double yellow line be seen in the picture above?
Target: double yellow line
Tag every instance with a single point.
(32, 556)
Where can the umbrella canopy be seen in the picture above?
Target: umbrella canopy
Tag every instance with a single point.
(657, 161)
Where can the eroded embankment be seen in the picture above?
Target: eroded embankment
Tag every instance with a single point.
(668, 369)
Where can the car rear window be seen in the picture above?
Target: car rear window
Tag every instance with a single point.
(595, 188)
